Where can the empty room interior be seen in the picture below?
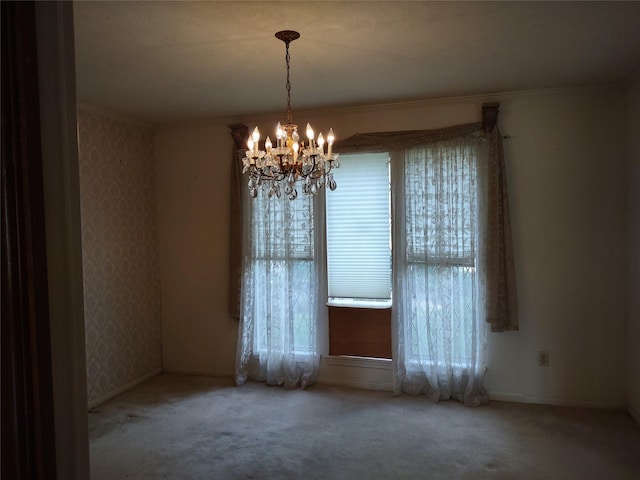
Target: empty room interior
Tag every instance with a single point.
(180, 368)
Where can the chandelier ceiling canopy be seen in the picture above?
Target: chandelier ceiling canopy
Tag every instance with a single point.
(290, 160)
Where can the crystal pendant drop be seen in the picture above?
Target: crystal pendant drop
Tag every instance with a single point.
(332, 183)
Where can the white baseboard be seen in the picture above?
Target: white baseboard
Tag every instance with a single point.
(199, 373)
(123, 389)
(560, 402)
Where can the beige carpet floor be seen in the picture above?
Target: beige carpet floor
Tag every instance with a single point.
(181, 427)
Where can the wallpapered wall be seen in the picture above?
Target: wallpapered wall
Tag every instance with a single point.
(120, 253)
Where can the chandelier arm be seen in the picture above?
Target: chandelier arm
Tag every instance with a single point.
(273, 176)
(279, 176)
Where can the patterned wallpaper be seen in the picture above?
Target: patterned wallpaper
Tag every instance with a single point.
(120, 253)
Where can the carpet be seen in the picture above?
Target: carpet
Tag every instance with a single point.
(187, 427)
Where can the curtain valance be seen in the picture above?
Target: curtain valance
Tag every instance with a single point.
(393, 141)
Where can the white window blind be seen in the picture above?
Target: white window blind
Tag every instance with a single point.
(359, 229)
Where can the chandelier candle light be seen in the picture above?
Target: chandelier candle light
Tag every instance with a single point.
(290, 159)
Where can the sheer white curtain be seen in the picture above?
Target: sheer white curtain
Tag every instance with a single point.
(438, 305)
(282, 313)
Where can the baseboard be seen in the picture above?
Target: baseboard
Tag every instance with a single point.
(124, 388)
(635, 415)
(560, 402)
(199, 373)
(356, 372)
(507, 397)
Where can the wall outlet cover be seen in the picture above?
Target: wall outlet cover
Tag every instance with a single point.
(543, 359)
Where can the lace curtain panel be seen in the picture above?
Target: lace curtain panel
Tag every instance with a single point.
(281, 304)
(438, 313)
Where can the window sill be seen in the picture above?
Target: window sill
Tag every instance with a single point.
(355, 303)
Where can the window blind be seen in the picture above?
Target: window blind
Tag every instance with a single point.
(359, 229)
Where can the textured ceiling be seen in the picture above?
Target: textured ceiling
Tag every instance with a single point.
(170, 61)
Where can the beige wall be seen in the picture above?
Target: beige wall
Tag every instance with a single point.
(120, 253)
(193, 171)
(633, 142)
(567, 176)
(566, 169)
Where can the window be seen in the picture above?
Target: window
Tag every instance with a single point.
(441, 232)
(283, 250)
(359, 232)
(359, 257)
(437, 238)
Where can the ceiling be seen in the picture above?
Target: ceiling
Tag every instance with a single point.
(172, 61)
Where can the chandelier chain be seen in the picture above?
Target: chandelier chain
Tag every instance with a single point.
(291, 159)
(287, 58)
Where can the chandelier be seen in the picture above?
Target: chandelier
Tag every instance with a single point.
(290, 160)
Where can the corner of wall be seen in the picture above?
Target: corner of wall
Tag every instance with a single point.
(633, 347)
